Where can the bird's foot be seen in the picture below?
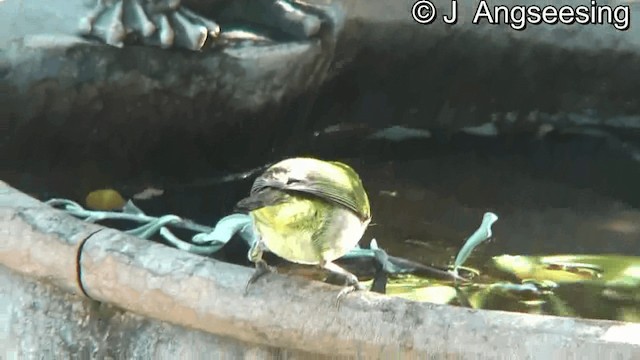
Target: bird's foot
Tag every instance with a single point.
(351, 281)
(261, 269)
(352, 285)
(163, 23)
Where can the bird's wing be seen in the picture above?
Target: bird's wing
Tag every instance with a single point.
(329, 192)
(315, 183)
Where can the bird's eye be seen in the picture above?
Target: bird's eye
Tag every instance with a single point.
(293, 181)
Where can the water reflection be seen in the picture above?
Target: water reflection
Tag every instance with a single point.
(597, 287)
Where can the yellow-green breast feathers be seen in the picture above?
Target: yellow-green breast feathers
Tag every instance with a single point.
(296, 215)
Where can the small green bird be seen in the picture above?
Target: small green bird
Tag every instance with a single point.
(307, 211)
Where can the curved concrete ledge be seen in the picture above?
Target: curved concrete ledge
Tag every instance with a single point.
(283, 312)
(40, 320)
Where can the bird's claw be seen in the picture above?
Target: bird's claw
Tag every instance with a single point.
(353, 287)
(261, 269)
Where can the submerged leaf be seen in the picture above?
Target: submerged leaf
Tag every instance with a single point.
(525, 267)
(569, 268)
(438, 294)
(148, 193)
(420, 289)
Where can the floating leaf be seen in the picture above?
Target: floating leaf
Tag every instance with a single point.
(104, 200)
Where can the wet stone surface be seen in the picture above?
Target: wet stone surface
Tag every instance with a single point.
(139, 107)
